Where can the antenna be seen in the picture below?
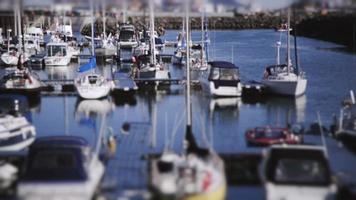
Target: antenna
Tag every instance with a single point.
(189, 115)
(322, 133)
(92, 25)
(295, 43)
(288, 43)
(152, 26)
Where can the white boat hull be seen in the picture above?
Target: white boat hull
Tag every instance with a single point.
(221, 91)
(15, 134)
(11, 59)
(57, 61)
(286, 87)
(93, 92)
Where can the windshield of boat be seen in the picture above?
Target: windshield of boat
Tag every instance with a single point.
(228, 74)
(56, 165)
(93, 79)
(269, 133)
(300, 167)
(126, 35)
(56, 50)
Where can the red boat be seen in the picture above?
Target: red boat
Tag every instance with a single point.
(265, 136)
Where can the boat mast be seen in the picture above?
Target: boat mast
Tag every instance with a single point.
(92, 25)
(15, 20)
(125, 11)
(152, 26)
(104, 18)
(202, 33)
(18, 13)
(188, 103)
(295, 43)
(288, 43)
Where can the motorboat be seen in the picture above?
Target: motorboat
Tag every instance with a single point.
(16, 133)
(34, 33)
(222, 79)
(284, 79)
(57, 54)
(265, 136)
(127, 36)
(32, 47)
(346, 124)
(92, 86)
(123, 79)
(60, 167)
(20, 81)
(297, 172)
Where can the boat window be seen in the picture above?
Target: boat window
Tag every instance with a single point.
(302, 171)
(56, 51)
(55, 165)
(93, 79)
(224, 74)
(126, 35)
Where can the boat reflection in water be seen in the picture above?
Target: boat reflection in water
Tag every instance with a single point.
(93, 109)
(61, 73)
(225, 104)
(89, 111)
(290, 109)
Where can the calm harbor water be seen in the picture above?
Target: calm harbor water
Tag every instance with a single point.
(157, 117)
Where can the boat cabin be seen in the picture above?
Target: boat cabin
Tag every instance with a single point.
(59, 158)
(56, 49)
(224, 72)
(297, 166)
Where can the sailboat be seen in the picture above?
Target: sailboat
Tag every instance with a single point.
(284, 79)
(11, 56)
(153, 69)
(196, 174)
(92, 85)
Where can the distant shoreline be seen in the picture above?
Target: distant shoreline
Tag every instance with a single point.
(339, 28)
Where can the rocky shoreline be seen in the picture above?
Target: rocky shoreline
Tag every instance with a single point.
(334, 27)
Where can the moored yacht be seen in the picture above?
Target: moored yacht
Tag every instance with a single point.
(127, 36)
(221, 79)
(57, 54)
(16, 133)
(284, 79)
(60, 167)
(297, 172)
